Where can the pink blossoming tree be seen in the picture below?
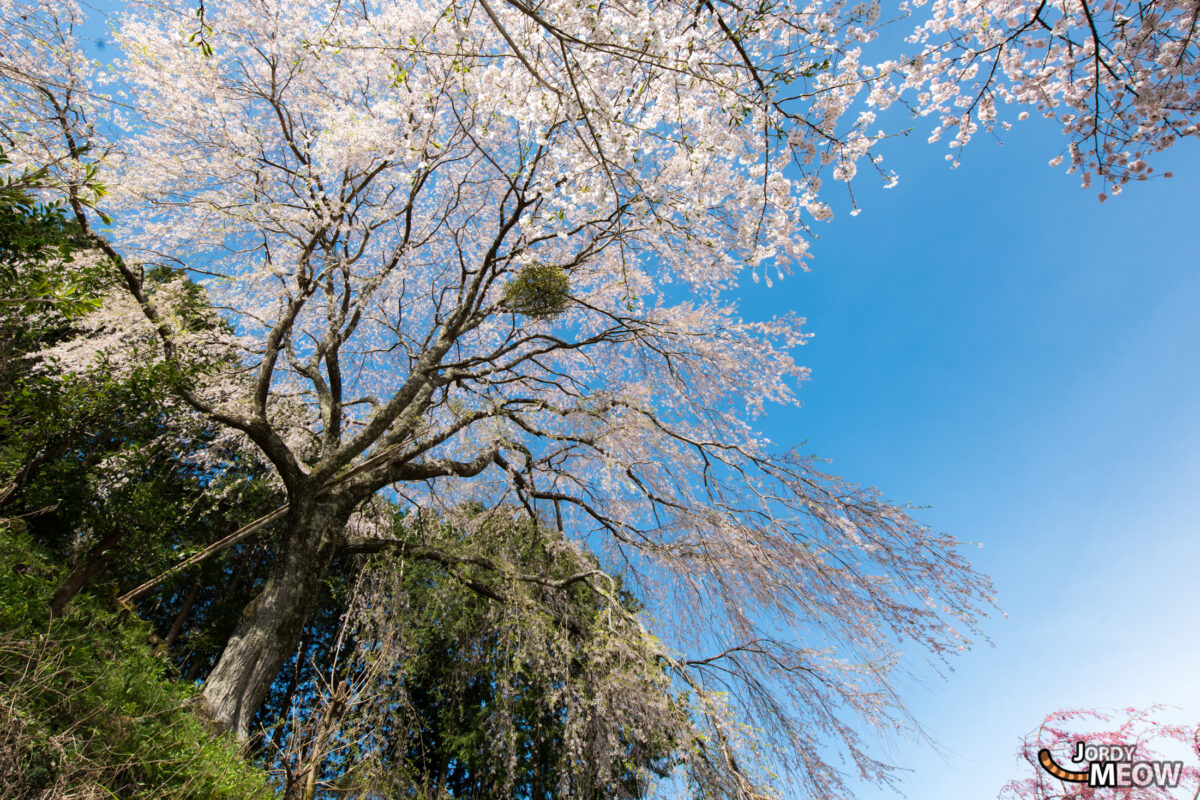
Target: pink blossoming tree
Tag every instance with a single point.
(488, 250)
(1060, 732)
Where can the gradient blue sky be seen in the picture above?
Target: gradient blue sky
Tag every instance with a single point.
(994, 343)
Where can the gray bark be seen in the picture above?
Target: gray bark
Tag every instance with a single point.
(271, 625)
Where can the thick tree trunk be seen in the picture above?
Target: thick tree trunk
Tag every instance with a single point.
(270, 626)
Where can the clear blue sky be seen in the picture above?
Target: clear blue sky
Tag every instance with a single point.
(994, 343)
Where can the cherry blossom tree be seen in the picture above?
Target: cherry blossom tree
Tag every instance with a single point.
(1130, 727)
(489, 250)
(1121, 78)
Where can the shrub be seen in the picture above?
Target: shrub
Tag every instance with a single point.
(87, 708)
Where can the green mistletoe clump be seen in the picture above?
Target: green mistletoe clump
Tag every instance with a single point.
(538, 290)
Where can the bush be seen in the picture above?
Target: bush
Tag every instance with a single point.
(86, 707)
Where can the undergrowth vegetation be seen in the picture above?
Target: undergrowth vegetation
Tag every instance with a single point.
(88, 708)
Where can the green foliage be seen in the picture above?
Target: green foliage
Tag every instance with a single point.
(108, 459)
(88, 710)
(38, 244)
(43, 287)
(539, 291)
(469, 680)
(108, 456)
(468, 690)
(40, 408)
